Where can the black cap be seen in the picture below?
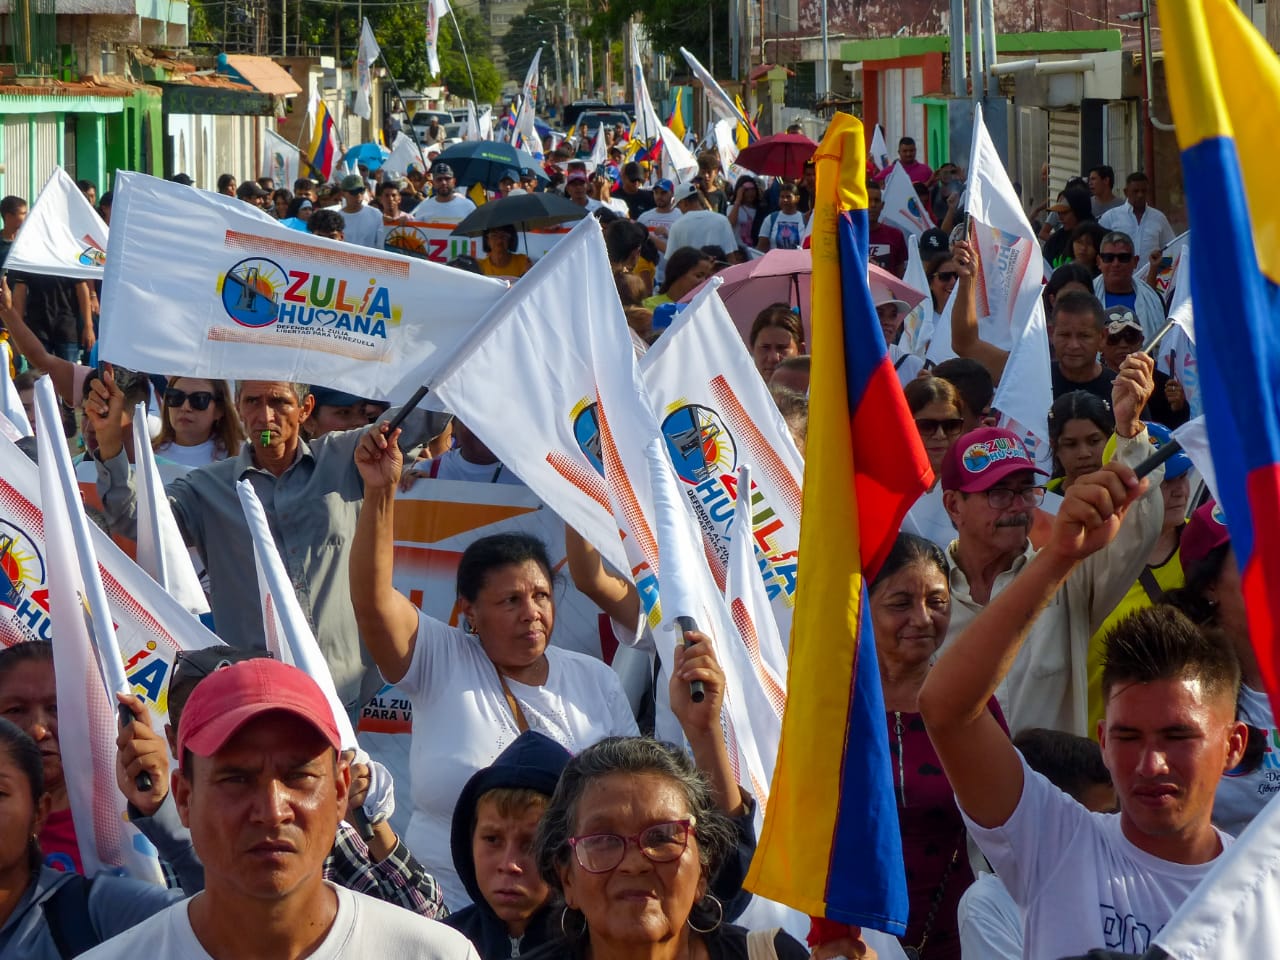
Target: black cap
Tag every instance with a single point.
(934, 240)
(183, 179)
(441, 170)
(250, 188)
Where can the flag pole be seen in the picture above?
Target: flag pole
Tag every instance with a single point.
(465, 59)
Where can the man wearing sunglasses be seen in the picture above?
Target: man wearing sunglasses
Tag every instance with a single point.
(991, 488)
(1115, 285)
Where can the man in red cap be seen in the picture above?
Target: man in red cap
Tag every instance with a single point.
(990, 491)
(262, 787)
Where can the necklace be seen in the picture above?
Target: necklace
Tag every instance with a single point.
(902, 776)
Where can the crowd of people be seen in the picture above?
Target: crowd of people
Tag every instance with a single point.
(1074, 713)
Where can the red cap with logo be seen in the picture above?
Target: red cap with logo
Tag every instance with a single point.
(230, 697)
(1204, 533)
(982, 458)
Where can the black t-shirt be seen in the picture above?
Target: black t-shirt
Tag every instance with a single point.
(637, 203)
(1100, 386)
(52, 311)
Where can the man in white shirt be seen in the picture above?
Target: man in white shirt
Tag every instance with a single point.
(658, 220)
(576, 186)
(361, 224)
(445, 205)
(698, 226)
(1087, 880)
(1148, 226)
(262, 785)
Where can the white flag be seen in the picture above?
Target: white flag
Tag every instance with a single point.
(161, 550)
(716, 415)
(902, 206)
(921, 314)
(1176, 354)
(368, 53)
(599, 158)
(471, 129)
(722, 104)
(280, 159)
(486, 123)
(678, 163)
(524, 134)
(879, 152)
(289, 635)
(1193, 437)
(63, 235)
(436, 12)
(648, 126)
(1231, 914)
(10, 400)
(85, 633)
(1012, 272)
(405, 154)
(205, 287)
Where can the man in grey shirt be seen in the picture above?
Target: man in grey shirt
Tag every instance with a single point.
(311, 493)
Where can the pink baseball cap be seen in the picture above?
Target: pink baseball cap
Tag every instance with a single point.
(982, 458)
(1204, 533)
(230, 697)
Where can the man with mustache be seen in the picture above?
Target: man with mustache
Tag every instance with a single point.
(990, 491)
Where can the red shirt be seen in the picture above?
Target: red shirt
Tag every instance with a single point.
(58, 843)
(888, 248)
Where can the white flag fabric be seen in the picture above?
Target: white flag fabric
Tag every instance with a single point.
(471, 129)
(405, 154)
(1176, 354)
(1012, 272)
(599, 158)
(280, 159)
(289, 635)
(10, 400)
(879, 152)
(678, 162)
(921, 314)
(437, 10)
(648, 127)
(365, 58)
(63, 235)
(687, 590)
(86, 695)
(524, 135)
(716, 415)
(1193, 437)
(1231, 914)
(161, 550)
(242, 297)
(722, 104)
(486, 123)
(902, 206)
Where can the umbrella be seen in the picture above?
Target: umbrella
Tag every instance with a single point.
(779, 155)
(370, 154)
(782, 276)
(530, 211)
(483, 161)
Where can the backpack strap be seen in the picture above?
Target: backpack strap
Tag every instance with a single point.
(761, 945)
(66, 913)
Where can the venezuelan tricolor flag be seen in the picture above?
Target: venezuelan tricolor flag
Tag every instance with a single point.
(322, 154)
(1224, 85)
(830, 845)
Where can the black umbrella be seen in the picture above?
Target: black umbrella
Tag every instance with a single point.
(484, 161)
(528, 211)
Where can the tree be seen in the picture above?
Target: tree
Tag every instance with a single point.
(670, 24)
(541, 25)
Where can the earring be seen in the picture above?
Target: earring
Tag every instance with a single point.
(563, 928)
(719, 918)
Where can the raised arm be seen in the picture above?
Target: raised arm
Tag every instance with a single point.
(61, 372)
(980, 762)
(964, 318)
(611, 592)
(388, 622)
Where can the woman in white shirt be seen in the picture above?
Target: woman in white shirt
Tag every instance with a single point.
(198, 423)
(474, 688)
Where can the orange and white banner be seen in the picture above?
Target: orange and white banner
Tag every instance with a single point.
(427, 240)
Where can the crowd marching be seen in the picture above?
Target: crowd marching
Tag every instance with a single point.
(1075, 723)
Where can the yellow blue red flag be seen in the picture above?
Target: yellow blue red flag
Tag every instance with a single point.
(1224, 85)
(830, 845)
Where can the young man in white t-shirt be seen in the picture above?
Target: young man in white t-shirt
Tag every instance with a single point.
(262, 786)
(1086, 880)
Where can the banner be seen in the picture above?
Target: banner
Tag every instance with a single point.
(63, 235)
(438, 243)
(902, 206)
(1010, 277)
(280, 159)
(204, 287)
(365, 57)
(716, 415)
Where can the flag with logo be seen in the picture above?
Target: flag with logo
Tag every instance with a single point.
(289, 635)
(1224, 87)
(1008, 289)
(437, 10)
(104, 634)
(206, 287)
(63, 236)
(902, 206)
(324, 151)
(879, 152)
(830, 845)
(722, 105)
(280, 159)
(367, 54)
(716, 415)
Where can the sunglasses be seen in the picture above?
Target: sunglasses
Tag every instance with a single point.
(1128, 336)
(1116, 257)
(946, 276)
(929, 426)
(200, 400)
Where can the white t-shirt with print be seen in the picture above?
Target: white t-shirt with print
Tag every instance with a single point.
(363, 927)
(461, 722)
(784, 230)
(1079, 881)
(1241, 796)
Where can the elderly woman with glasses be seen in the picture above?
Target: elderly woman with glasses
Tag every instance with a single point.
(630, 841)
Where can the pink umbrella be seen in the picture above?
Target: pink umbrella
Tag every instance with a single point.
(782, 276)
